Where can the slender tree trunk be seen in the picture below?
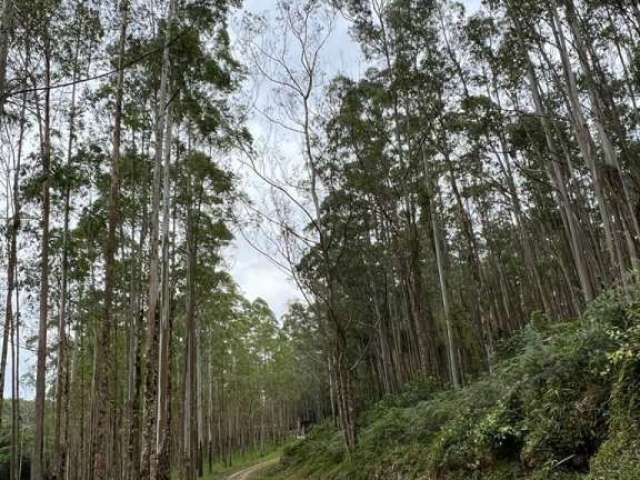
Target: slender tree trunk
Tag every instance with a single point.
(189, 442)
(164, 365)
(16, 452)
(199, 407)
(13, 225)
(585, 140)
(37, 460)
(148, 469)
(104, 340)
(62, 387)
(573, 229)
(444, 291)
(345, 393)
(136, 339)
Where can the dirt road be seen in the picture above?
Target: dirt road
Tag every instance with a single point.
(251, 473)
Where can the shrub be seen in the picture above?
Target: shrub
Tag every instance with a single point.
(563, 404)
(619, 457)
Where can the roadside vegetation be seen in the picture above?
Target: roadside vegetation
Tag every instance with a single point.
(563, 403)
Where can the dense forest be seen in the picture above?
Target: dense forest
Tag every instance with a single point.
(457, 212)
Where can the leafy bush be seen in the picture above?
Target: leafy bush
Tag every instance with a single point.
(619, 456)
(564, 404)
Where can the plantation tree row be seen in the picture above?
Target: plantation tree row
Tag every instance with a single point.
(482, 170)
(118, 124)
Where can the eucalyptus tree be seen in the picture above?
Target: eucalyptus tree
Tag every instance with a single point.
(201, 189)
(291, 66)
(596, 149)
(45, 48)
(104, 345)
(76, 37)
(462, 149)
(148, 467)
(99, 211)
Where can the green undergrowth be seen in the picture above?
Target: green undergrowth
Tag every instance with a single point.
(563, 403)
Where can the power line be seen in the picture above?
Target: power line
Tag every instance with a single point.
(94, 77)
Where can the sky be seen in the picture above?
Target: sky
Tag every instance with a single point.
(257, 276)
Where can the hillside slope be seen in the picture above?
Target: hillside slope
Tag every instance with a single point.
(564, 403)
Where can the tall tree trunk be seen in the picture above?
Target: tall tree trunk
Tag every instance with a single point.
(37, 460)
(164, 366)
(585, 141)
(11, 287)
(557, 178)
(62, 385)
(136, 326)
(148, 469)
(104, 339)
(444, 291)
(189, 405)
(137, 322)
(192, 425)
(13, 225)
(344, 383)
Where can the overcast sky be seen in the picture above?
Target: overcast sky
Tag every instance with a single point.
(255, 273)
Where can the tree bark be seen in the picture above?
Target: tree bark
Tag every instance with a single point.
(148, 469)
(16, 453)
(37, 460)
(444, 291)
(62, 386)
(164, 365)
(572, 227)
(104, 339)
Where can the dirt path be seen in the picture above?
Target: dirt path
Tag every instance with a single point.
(250, 473)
